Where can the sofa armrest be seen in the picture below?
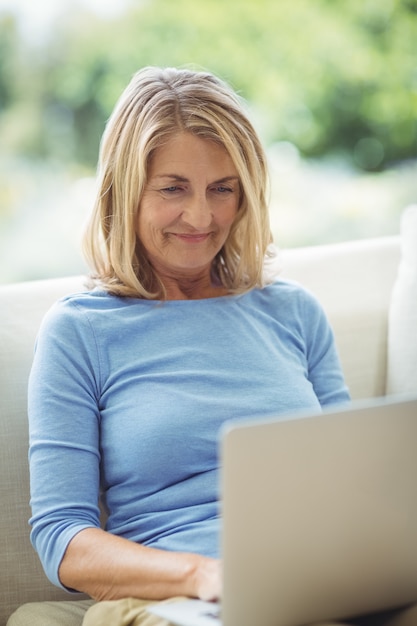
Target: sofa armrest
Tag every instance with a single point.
(22, 307)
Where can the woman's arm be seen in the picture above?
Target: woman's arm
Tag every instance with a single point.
(107, 567)
(65, 458)
(67, 455)
(324, 367)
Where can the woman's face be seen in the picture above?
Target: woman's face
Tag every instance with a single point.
(189, 204)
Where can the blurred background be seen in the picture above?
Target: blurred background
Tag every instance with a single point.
(331, 87)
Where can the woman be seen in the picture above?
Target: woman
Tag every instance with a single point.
(185, 328)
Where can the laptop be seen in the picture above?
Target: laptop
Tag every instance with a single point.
(319, 518)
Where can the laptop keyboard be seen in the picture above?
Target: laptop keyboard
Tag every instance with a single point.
(214, 613)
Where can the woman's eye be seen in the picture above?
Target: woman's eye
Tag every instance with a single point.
(222, 189)
(171, 189)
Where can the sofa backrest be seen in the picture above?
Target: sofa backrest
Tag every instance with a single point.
(354, 282)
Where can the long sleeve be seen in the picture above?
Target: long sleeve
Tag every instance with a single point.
(64, 435)
(324, 367)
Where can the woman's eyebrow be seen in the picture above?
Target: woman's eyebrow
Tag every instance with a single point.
(177, 177)
(226, 179)
(184, 179)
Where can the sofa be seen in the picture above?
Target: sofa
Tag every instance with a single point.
(368, 289)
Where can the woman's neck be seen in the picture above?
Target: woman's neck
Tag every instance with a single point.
(194, 287)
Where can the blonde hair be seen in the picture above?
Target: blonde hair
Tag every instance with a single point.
(157, 104)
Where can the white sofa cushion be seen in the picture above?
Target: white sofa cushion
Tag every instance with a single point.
(402, 328)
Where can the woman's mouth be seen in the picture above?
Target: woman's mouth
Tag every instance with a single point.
(192, 238)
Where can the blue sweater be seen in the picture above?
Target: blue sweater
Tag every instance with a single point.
(127, 397)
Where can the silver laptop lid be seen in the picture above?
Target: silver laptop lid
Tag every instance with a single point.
(320, 515)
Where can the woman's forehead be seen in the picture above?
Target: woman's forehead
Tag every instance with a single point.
(184, 153)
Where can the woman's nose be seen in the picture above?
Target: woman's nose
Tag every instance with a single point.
(197, 212)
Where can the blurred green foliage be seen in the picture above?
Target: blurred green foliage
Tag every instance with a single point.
(329, 76)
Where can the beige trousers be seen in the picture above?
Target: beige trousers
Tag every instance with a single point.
(125, 612)
(132, 612)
